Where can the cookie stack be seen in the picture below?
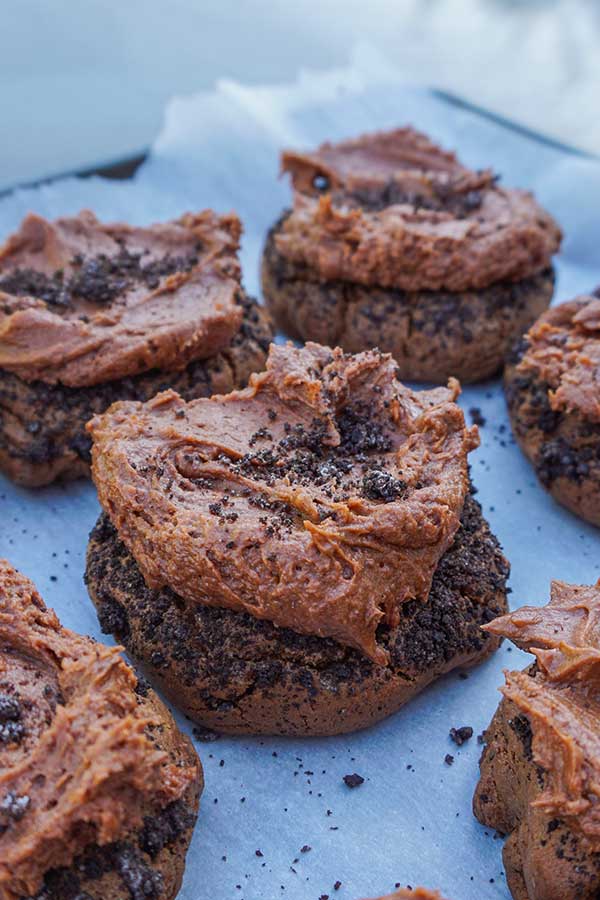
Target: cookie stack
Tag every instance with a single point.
(391, 242)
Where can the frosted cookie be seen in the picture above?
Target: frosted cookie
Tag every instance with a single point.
(92, 313)
(98, 787)
(301, 557)
(391, 242)
(539, 770)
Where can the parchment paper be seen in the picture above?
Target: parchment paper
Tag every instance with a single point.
(410, 822)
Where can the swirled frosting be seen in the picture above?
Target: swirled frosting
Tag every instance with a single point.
(77, 762)
(399, 212)
(83, 303)
(321, 497)
(563, 350)
(561, 699)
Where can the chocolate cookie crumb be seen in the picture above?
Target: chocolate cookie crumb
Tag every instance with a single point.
(449, 759)
(461, 735)
(10, 709)
(142, 882)
(11, 729)
(163, 830)
(98, 279)
(477, 417)
(353, 781)
(378, 485)
(14, 806)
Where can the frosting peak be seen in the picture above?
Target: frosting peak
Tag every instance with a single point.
(561, 698)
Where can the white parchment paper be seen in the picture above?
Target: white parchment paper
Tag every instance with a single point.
(410, 822)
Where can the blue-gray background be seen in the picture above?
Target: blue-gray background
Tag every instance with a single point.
(410, 822)
(85, 81)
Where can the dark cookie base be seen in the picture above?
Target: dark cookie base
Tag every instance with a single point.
(42, 427)
(564, 448)
(234, 673)
(431, 334)
(543, 858)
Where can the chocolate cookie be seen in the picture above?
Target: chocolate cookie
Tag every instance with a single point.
(98, 788)
(301, 557)
(235, 673)
(539, 770)
(393, 243)
(93, 313)
(551, 385)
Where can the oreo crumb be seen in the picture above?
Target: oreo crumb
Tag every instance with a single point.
(142, 882)
(98, 279)
(11, 728)
(142, 687)
(477, 417)
(378, 485)
(461, 735)
(163, 830)
(10, 709)
(448, 759)
(14, 806)
(353, 781)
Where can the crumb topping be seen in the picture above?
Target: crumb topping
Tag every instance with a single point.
(83, 303)
(321, 498)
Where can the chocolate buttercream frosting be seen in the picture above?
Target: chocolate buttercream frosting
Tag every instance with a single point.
(397, 211)
(322, 497)
(77, 763)
(563, 350)
(82, 303)
(561, 698)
